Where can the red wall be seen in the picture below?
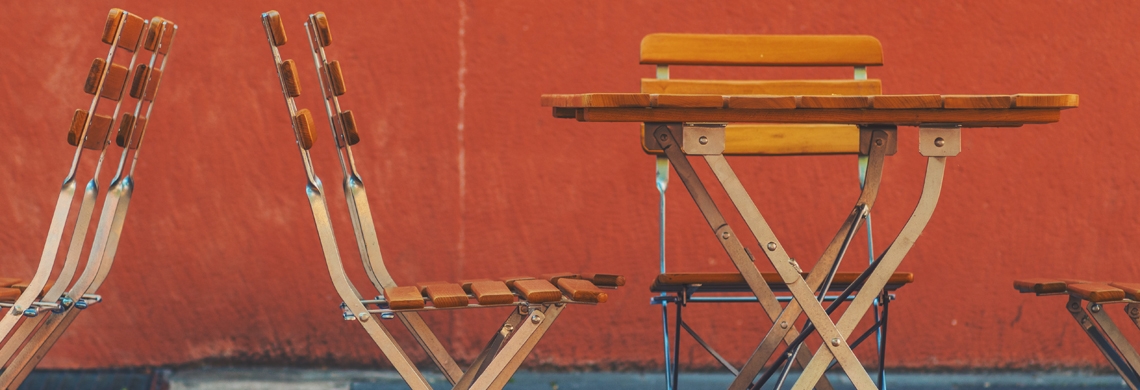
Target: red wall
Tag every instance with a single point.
(470, 177)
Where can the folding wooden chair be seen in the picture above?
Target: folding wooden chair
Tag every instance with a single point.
(742, 139)
(535, 302)
(106, 80)
(1086, 304)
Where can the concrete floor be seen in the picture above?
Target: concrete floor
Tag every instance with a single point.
(314, 379)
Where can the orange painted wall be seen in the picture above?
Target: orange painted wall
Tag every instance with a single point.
(470, 177)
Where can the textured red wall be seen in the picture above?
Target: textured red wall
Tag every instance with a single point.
(470, 177)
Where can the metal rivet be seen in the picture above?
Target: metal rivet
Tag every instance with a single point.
(835, 342)
(535, 318)
(725, 235)
(771, 246)
(783, 324)
(1134, 312)
(664, 137)
(939, 142)
(703, 140)
(879, 142)
(1095, 308)
(364, 316)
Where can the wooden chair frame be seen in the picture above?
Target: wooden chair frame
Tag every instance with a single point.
(1087, 304)
(37, 334)
(529, 318)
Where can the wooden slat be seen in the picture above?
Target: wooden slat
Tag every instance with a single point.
(762, 102)
(597, 100)
(692, 101)
(761, 50)
(406, 297)
(489, 292)
(605, 280)
(784, 140)
(833, 101)
(1039, 286)
(967, 118)
(445, 294)
(763, 87)
(1034, 100)
(906, 101)
(1096, 292)
(582, 290)
(553, 277)
(1131, 290)
(537, 290)
(8, 282)
(976, 101)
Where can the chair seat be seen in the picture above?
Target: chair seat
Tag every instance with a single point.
(734, 282)
(1089, 291)
(582, 288)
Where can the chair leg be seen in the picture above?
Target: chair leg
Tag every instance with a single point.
(665, 340)
(677, 347)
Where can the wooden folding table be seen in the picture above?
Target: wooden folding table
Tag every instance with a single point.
(693, 125)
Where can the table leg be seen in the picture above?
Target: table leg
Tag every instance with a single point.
(723, 231)
(887, 264)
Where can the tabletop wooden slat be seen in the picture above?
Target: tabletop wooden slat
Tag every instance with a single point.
(906, 101)
(695, 101)
(976, 101)
(833, 101)
(903, 110)
(968, 118)
(762, 102)
(1036, 100)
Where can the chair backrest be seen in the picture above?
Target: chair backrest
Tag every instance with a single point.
(855, 51)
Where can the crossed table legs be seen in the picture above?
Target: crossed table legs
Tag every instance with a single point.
(935, 142)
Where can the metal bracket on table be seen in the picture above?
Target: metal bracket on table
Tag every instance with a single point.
(939, 141)
(702, 138)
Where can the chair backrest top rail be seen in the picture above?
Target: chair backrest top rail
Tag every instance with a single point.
(761, 50)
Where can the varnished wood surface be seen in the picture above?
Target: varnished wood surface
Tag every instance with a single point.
(763, 87)
(489, 292)
(1096, 292)
(581, 290)
(761, 50)
(324, 36)
(908, 117)
(277, 28)
(446, 295)
(405, 297)
(1131, 290)
(537, 290)
(749, 139)
(348, 121)
(304, 123)
(616, 100)
(605, 280)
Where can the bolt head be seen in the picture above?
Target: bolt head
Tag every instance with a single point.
(725, 235)
(835, 342)
(535, 318)
(879, 142)
(939, 142)
(703, 140)
(364, 316)
(771, 246)
(783, 324)
(1095, 308)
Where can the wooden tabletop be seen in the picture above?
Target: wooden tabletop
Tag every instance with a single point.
(967, 110)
